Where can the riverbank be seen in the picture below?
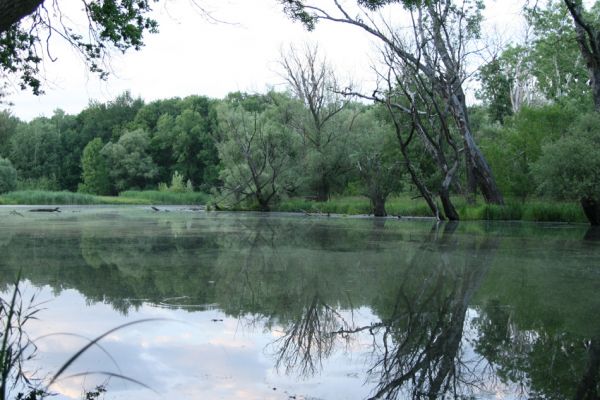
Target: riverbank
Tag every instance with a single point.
(531, 210)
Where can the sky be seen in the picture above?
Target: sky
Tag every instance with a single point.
(193, 55)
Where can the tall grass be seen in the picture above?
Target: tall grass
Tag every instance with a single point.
(16, 347)
(30, 197)
(534, 211)
(38, 197)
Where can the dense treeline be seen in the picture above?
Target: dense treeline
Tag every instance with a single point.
(535, 127)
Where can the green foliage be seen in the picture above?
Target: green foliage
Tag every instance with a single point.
(570, 167)
(130, 161)
(177, 185)
(513, 147)
(8, 176)
(111, 25)
(95, 170)
(496, 83)
(257, 153)
(36, 151)
(8, 127)
(376, 157)
(555, 58)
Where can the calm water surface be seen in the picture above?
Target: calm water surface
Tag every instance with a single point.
(290, 307)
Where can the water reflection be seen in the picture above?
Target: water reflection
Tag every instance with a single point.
(418, 341)
(432, 311)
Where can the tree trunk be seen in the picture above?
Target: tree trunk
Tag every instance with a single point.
(471, 187)
(449, 209)
(588, 39)
(425, 193)
(378, 206)
(12, 11)
(481, 171)
(591, 209)
(595, 83)
(263, 205)
(323, 190)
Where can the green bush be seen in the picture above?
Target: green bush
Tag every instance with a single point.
(570, 167)
(8, 176)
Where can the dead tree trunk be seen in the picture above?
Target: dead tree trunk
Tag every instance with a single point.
(588, 38)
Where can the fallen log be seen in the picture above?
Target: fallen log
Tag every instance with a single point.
(56, 209)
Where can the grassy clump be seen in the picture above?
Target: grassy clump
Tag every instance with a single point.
(535, 211)
(31, 197)
(162, 197)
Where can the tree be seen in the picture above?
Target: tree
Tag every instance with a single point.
(8, 126)
(36, 153)
(95, 170)
(513, 147)
(587, 28)
(27, 27)
(556, 62)
(376, 159)
(446, 28)
(321, 124)
(256, 149)
(8, 176)
(131, 166)
(194, 145)
(570, 167)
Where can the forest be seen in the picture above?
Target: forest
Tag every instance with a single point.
(530, 137)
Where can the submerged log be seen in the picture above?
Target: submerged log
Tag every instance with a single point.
(55, 209)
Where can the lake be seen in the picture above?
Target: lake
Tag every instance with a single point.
(281, 306)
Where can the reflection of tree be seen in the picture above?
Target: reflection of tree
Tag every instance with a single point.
(419, 338)
(309, 339)
(533, 319)
(420, 344)
(552, 365)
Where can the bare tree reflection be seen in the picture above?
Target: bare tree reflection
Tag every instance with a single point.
(417, 348)
(421, 345)
(309, 339)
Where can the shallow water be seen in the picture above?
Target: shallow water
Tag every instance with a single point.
(282, 306)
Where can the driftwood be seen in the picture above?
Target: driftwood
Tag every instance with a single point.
(55, 209)
(15, 212)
